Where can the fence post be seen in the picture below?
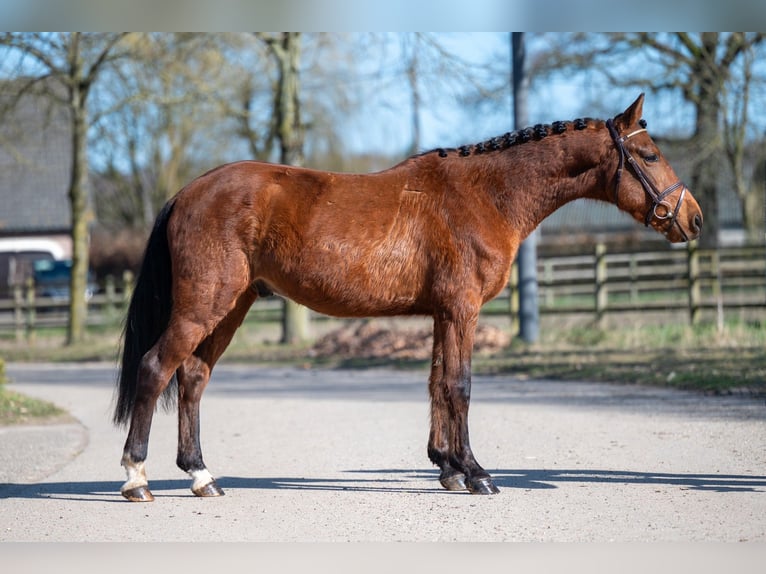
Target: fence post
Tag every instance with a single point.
(633, 279)
(127, 286)
(111, 299)
(694, 285)
(548, 283)
(31, 310)
(18, 312)
(513, 298)
(715, 271)
(601, 291)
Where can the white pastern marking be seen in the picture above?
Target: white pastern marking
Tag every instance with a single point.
(136, 475)
(201, 478)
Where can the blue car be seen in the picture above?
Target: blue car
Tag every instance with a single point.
(52, 279)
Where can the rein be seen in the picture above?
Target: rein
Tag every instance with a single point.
(657, 196)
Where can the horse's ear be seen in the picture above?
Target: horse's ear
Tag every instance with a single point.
(631, 116)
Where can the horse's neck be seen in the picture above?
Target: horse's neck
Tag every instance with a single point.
(542, 176)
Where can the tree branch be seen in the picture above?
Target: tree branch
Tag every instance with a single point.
(102, 57)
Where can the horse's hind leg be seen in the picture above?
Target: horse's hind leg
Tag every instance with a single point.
(193, 377)
(194, 318)
(155, 372)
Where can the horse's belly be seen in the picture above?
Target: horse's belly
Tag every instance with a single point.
(337, 280)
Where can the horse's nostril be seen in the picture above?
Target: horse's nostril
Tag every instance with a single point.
(697, 223)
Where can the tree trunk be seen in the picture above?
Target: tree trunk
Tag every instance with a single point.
(78, 198)
(295, 318)
(706, 168)
(708, 143)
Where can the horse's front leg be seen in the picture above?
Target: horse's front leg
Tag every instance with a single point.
(450, 478)
(449, 444)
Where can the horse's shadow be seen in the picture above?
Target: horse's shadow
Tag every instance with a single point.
(395, 480)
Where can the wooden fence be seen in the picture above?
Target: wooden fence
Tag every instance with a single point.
(694, 282)
(26, 312)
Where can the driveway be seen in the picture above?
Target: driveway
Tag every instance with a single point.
(339, 455)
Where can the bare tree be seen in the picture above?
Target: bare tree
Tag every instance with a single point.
(167, 124)
(431, 71)
(64, 68)
(749, 182)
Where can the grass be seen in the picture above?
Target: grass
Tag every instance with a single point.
(48, 345)
(711, 370)
(16, 408)
(703, 358)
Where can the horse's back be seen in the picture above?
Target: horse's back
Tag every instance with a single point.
(387, 243)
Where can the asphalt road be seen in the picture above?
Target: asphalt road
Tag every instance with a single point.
(326, 455)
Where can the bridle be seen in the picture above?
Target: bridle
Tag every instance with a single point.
(657, 196)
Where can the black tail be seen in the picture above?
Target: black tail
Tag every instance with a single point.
(147, 318)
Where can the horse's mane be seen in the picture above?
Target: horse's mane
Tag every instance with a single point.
(517, 137)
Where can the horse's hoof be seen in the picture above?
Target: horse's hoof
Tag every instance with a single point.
(138, 494)
(454, 481)
(482, 485)
(210, 489)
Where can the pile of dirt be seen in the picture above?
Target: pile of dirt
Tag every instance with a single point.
(371, 340)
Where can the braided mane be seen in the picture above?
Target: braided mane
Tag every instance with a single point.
(518, 137)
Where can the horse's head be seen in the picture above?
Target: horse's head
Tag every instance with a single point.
(645, 185)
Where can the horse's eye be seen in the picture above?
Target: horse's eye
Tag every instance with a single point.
(651, 158)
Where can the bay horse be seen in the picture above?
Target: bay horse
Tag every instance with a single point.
(434, 235)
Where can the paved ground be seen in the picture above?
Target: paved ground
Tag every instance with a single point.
(325, 455)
